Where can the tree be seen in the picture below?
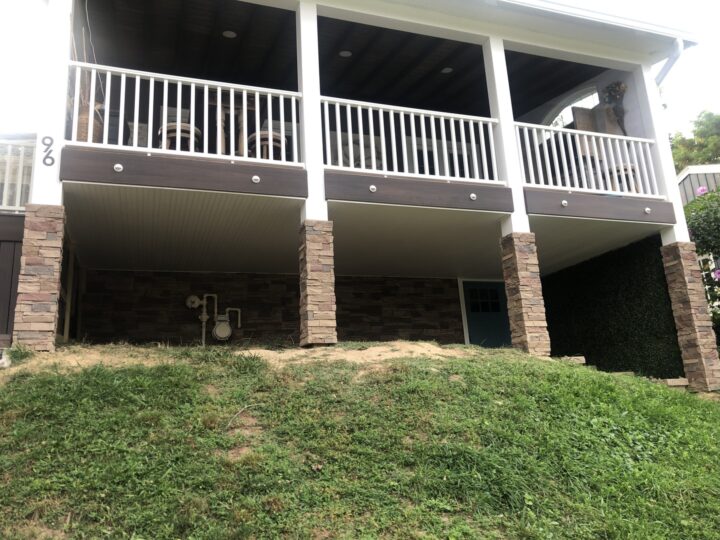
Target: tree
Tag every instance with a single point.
(704, 146)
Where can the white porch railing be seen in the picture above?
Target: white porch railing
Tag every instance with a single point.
(167, 114)
(586, 161)
(16, 166)
(408, 142)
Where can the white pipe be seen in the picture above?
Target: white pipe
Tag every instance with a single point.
(239, 314)
(679, 47)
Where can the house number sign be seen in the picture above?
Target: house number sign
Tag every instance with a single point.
(48, 159)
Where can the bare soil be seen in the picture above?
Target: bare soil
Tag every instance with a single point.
(375, 354)
(78, 357)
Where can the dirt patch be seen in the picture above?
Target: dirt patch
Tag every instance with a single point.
(246, 425)
(373, 357)
(78, 357)
(33, 531)
(211, 390)
(376, 354)
(236, 453)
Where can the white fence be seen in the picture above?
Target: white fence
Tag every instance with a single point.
(586, 161)
(163, 113)
(410, 142)
(16, 166)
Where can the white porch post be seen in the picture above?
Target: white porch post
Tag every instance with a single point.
(653, 121)
(315, 207)
(521, 270)
(46, 187)
(508, 160)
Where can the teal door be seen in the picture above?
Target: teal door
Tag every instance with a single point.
(486, 312)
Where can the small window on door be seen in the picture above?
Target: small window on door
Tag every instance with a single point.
(484, 300)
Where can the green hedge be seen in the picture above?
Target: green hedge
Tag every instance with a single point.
(615, 310)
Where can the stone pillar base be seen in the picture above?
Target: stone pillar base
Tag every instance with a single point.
(526, 307)
(317, 284)
(36, 310)
(696, 337)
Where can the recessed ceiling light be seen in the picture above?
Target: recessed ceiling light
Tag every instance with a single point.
(229, 34)
(345, 54)
(446, 70)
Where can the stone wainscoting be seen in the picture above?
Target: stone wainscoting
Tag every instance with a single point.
(383, 309)
(692, 320)
(38, 289)
(150, 306)
(526, 306)
(317, 284)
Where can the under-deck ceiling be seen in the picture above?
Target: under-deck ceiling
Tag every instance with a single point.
(185, 37)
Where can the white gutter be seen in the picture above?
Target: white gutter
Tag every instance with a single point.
(670, 62)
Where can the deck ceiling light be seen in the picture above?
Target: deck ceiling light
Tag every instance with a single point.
(229, 34)
(345, 54)
(446, 70)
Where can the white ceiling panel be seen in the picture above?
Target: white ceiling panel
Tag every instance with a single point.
(390, 240)
(563, 242)
(163, 229)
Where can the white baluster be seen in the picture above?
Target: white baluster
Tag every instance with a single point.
(107, 105)
(328, 153)
(136, 111)
(151, 112)
(121, 122)
(76, 102)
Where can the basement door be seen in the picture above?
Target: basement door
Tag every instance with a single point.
(9, 270)
(486, 314)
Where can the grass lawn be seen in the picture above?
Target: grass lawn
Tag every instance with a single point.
(211, 444)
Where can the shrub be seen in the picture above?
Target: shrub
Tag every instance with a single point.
(703, 219)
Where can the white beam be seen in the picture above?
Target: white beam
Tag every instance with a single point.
(311, 136)
(651, 112)
(46, 188)
(508, 158)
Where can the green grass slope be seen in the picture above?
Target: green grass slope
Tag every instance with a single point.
(496, 445)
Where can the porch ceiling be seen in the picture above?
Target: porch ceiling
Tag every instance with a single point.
(185, 38)
(564, 242)
(138, 228)
(387, 66)
(385, 240)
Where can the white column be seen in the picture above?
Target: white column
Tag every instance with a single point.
(56, 36)
(653, 120)
(310, 120)
(508, 160)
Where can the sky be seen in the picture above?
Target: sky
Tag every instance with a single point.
(691, 87)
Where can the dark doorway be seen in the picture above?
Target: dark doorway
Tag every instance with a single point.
(486, 312)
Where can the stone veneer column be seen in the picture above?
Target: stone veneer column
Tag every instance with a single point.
(692, 320)
(36, 310)
(317, 284)
(526, 307)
